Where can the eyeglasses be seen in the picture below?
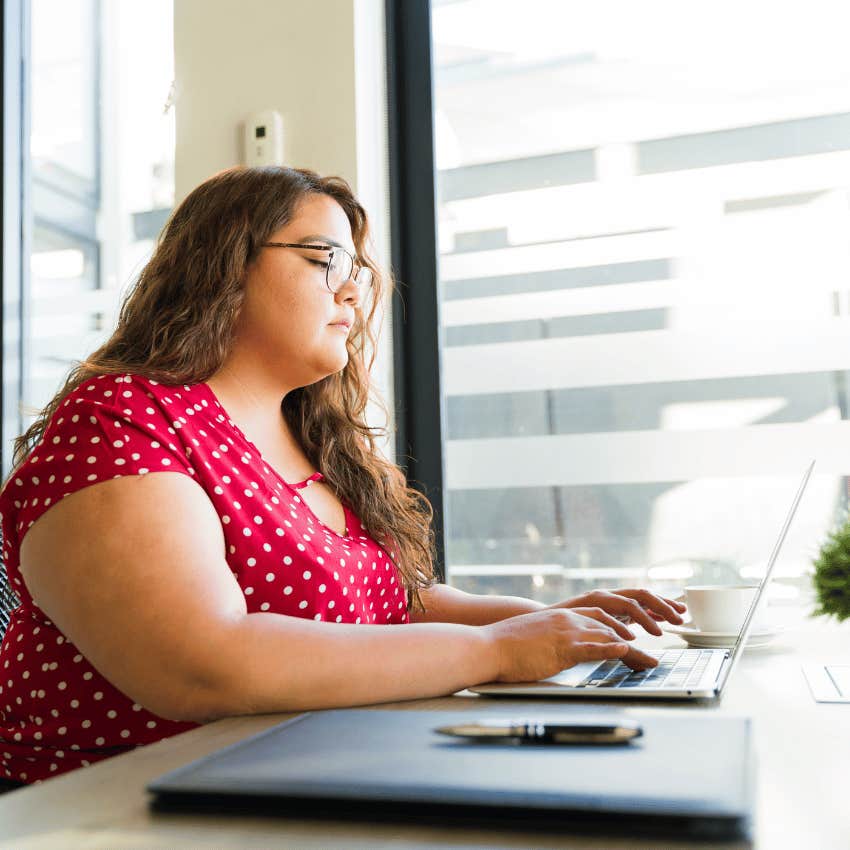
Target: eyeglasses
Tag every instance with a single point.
(339, 267)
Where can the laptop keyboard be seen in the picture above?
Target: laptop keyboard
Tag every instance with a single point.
(677, 668)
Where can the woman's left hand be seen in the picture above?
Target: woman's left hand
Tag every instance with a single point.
(630, 606)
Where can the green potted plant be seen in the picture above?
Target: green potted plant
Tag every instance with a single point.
(831, 579)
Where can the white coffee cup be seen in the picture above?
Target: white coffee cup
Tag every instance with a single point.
(719, 608)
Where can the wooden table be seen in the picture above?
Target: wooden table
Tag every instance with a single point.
(803, 784)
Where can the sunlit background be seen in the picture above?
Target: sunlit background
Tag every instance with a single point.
(643, 254)
(102, 178)
(644, 238)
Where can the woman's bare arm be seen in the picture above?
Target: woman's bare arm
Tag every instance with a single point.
(133, 572)
(444, 604)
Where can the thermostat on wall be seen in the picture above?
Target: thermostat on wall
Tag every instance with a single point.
(264, 138)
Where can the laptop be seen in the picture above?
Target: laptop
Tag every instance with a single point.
(681, 674)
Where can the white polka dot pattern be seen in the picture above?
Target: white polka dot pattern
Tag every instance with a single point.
(57, 713)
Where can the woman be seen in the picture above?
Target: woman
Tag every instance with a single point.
(240, 577)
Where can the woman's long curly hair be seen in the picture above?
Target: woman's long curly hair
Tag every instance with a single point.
(177, 325)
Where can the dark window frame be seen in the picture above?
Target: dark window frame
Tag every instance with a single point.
(417, 329)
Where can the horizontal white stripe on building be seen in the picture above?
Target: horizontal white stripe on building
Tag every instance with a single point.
(76, 303)
(565, 302)
(733, 350)
(652, 200)
(647, 456)
(604, 250)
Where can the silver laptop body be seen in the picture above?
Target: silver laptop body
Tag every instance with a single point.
(681, 673)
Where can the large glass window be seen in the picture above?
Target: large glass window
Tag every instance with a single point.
(98, 176)
(644, 269)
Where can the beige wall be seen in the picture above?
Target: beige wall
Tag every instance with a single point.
(237, 57)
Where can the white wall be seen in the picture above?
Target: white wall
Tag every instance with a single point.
(321, 65)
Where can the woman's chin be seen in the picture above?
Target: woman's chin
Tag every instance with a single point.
(330, 366)
(341, 362)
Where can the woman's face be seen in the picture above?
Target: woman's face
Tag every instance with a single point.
(291, 324)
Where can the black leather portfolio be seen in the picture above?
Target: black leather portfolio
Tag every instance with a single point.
(689, 775)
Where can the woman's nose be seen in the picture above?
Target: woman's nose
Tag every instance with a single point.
(349, 292)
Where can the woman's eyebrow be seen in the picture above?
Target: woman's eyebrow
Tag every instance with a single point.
(319, 237)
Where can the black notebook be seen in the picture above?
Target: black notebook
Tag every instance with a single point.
(688, 775)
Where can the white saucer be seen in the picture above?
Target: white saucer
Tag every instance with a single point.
(761, 636)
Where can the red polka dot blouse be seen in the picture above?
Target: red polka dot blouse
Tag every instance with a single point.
(57, 712)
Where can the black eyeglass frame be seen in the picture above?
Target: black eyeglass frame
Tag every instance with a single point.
(333, 250)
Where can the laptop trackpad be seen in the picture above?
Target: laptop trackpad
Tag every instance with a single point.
(574, 676)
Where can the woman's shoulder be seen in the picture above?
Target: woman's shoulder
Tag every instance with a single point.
(111, 410)
(109, 426)
(129, 389)
(134, 398)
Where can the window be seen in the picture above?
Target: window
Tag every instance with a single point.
(97, 182)
(642, 217)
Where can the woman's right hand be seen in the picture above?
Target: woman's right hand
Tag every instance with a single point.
(535, 646)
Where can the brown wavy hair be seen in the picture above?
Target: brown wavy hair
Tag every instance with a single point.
(177, 323)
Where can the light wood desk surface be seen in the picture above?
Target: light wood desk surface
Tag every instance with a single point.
(803, 777)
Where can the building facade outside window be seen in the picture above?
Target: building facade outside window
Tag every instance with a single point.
(643, 213)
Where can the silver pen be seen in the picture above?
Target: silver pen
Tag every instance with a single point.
(546, 731)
